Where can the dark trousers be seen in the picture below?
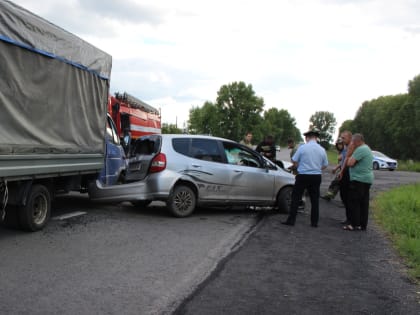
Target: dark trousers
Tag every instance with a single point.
(311, 183)
(344, 192)
(359, 203)
(333, 188)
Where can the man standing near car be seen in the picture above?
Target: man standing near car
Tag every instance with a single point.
(247, 140)
(361, 178)
(310, 159)
(267, 148)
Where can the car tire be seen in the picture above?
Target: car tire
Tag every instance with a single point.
(391, 169)
(34, 215)
(284, 199)
(141, 203)
(375, 166)
(182, 201)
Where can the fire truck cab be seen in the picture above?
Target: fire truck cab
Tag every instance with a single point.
(133, 118)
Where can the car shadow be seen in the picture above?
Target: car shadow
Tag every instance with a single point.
(159, 209)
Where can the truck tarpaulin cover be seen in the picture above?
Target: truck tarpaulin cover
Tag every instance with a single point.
(53, 87)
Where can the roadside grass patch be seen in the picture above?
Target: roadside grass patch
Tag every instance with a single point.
(332, 156)
(409, 166)
(398, 212)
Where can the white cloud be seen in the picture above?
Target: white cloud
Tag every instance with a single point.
(304, 56)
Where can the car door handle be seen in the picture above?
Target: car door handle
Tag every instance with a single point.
(237, 171)
(196, 165)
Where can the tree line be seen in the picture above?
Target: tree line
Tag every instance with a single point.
(391, 124)
(238, 110)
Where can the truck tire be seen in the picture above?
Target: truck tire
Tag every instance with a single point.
(284, 199)
(182, 201)
(34, 215)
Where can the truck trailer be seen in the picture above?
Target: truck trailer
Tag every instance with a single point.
(56, 135)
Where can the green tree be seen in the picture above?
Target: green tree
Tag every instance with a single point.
(325, 122)
(386, 124)
(346, 125)
(414, 87)
(205, 120)
(239, 110)
(281, 125)
(170, 128)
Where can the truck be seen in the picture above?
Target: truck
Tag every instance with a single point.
(56, 135)
(133, 117)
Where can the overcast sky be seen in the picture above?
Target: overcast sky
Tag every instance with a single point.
(302, 56)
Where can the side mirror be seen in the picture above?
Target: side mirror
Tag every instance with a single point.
(126, 140)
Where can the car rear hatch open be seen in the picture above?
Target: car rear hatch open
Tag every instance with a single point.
(142, 152)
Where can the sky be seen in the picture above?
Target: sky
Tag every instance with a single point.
(299, 55)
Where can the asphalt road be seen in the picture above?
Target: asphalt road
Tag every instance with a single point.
(116, 259)
(304, 270)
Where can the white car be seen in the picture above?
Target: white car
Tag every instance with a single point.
(381, 161)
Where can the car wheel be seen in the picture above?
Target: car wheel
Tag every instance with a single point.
(141, 203)
(284, 199)
(182, 201)
(376, 166)
(391, 169)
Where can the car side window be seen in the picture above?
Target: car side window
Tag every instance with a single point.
(238, 155)
(205, 149)
(181, 145)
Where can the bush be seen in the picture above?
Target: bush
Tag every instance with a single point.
(409, 165)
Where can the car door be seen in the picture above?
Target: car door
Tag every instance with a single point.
(250, 179)
(115, 161)
(208, 169)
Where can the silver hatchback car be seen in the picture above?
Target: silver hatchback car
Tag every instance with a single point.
(187, 171)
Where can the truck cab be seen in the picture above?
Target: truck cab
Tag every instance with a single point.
(115, 165)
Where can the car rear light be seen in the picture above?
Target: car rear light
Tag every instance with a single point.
(158, 163)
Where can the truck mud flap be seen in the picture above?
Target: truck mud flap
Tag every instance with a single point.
(4, 195)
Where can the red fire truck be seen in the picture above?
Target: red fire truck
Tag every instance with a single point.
(133, 117)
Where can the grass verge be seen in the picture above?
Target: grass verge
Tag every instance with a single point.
(410, 166)
(398, 212)
(332, 156)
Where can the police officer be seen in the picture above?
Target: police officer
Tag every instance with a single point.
(310, 159)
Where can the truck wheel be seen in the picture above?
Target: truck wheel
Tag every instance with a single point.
(182, 201)
(34, 215)
(284, 199)
(141, 203)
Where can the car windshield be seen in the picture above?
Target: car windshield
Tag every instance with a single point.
(378, 154)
